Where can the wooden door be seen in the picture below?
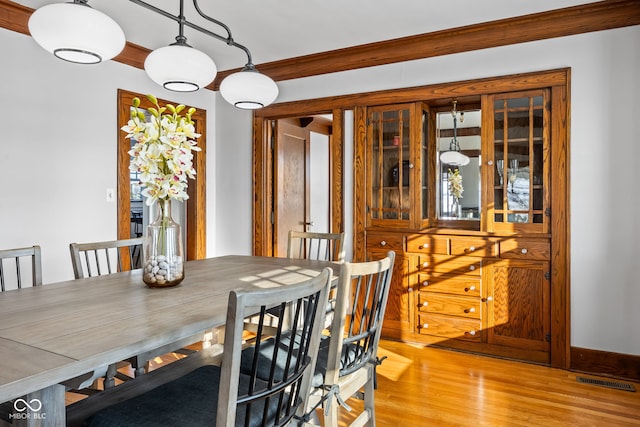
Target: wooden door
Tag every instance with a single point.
(291, 182)
(519, 313)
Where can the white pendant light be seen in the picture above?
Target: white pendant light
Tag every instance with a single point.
(454, 157)
(248, 89)
(76, 32)
(180, 68)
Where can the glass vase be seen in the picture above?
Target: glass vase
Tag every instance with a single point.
(163, 255)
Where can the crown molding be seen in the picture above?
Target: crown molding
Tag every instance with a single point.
(598, 16)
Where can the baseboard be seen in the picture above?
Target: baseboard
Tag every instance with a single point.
(605, 363)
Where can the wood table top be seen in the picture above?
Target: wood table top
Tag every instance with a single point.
(58, 331)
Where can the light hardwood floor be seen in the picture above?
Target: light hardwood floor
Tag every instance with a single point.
(420, 386)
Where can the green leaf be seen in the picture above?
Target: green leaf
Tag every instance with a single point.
(136, 102)
(179, 108)
(171, 108)
(153, 99)
(154, 112)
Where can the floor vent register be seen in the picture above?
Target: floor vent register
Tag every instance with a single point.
(604, 383)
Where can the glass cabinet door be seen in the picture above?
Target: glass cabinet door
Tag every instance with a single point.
(519, 143)
(390, 164)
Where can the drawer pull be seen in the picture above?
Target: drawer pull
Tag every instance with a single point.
(470, 310)
(487, 299)
(383, 243)
(524, 251)
(426, 303)
(425, 283)
(425, 326)
(472, 333)
(425, 264)
(472, 267)
(409, 289)
(425, 246)
(470, 288)
(472, 248)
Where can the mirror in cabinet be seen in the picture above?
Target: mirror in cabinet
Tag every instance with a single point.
(458, 162)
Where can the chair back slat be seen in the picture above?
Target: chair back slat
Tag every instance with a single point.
(98, 258)
(317, 246)
(12, 262)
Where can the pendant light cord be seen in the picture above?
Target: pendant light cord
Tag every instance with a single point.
(182, 21)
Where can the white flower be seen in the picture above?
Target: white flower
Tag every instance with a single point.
(455, 184)
(163, 150)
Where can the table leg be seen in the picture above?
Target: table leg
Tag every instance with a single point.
(43, 408)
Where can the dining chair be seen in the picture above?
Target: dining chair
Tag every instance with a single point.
(348, 357)
(19, 267)
(307, 245)
(14, 263)
(222, 395)
(318, 246)
(107, 257)
(98, 258)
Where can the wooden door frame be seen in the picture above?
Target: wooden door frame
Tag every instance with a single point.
(196, 203)
(263, 179)
(559, 82)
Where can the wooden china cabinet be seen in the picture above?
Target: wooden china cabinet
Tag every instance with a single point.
(476, 276)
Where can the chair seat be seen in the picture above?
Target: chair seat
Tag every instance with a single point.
(191, 400)
(266, 350)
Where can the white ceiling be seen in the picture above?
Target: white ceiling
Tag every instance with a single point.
(280, 29)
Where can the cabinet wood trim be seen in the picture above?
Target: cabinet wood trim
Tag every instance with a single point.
(359, 183)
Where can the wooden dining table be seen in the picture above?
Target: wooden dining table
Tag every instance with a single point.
(55, 332)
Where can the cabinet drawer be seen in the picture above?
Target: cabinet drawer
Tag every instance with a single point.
(449, 264)
(450, 327)
(388, 242)
(525, 249)
(472, 246)
(428, 243)
(449, 304)
(449, 284)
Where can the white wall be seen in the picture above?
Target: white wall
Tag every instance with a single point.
(58, 148)
(605, 223)
(320, 194)
(57, 157)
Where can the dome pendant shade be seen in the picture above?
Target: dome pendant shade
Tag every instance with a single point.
(76, 33)
(248, 89)
(454, 158)
(180, 68)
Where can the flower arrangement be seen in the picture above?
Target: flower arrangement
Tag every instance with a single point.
(163, 152)
(455, 184)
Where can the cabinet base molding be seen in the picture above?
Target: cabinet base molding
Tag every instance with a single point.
(604, 363)
(480, 349)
